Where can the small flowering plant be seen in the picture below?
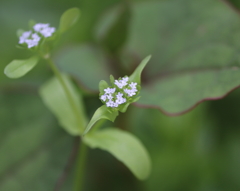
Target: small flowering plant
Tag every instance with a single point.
(39, 39)
(61, 97)
(39, 32)
(120, 94)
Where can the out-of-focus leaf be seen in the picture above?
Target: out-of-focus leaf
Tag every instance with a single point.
(31, 144)
(19, 32)
(85, 62)
(57, 101)
(195, 49)
(112, 29)
(68, 19)
(136, 75)
(18, 68)
(31, 23)
(101, 113)
(125, 147)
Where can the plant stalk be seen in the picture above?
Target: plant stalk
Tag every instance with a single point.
(66, 90)
(80, 167)
(82, 152)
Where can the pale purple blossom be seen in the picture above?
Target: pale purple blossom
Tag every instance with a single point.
(133, 85)
(109, 90)
(30, 39)
(24, 36)
(103, 97)
(130, 92)
(44, 29)
(113, 97)
(121, 83)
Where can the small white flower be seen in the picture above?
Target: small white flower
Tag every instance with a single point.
(104, 97)
(109, 90)
(119, 95)
(125, 79)
(115, 104)
(111, 104)
(131, 92)
(120, 83)
(30, 39)
(47, 32)
(44, 29)
(114, 97)
(40, 26)
(24, 36)
(121, 100)
(133, 85)
(110, 97)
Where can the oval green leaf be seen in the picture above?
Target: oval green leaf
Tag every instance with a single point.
(18, 68)
(125, 147)
(101, 113)
(56, 100)
(68, 19)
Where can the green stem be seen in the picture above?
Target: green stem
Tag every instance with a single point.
(66, 90)
(81, 161)
(82, 153)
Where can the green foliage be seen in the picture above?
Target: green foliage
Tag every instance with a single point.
(103, 85)
(31, 144)
(111, 113)
(195, 58)
(124, 146)
(18, 68)
(19, 32)
(101, 113)
(68, 19)
(136, 75)
(56, 100)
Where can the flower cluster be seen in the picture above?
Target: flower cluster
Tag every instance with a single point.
(32, 38)
(120, 93)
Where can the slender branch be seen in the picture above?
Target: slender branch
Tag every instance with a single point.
(81, 160)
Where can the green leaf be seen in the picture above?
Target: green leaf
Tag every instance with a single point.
(18, 68)
(56, 100)
(194, 59)
(101, 113)
(124, 146)
(123, 109)
(31, 144)
(68, 19)
(136, 75)
(112, 80)
(31, 23)
(103, 85)
(86, 62)
(20, 32)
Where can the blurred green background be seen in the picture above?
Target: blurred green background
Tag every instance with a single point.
(197, 151)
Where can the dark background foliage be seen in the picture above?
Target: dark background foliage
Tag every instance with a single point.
(198, 150)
